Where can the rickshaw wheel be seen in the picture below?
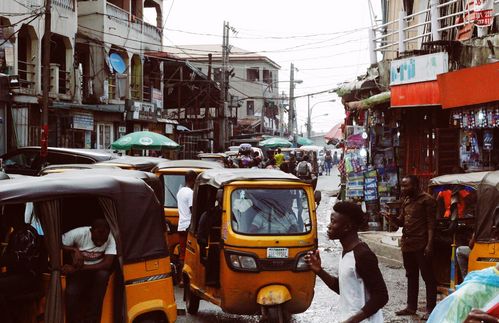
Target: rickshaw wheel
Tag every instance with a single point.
(275, 314)
(191, 299)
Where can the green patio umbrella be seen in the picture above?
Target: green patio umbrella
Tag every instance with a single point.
(302, 141)
(275, 142)
(144, 140)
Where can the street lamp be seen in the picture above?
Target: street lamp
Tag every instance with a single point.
(262, 117)
(309, 114)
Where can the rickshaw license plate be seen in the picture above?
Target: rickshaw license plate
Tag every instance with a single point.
(277, 252)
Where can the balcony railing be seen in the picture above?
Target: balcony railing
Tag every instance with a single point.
(64, 78)
(117, 14)
(26, 73)
(123, 17)
(437, 22)
(66, 4)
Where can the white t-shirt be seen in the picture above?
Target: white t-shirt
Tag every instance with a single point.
(184, 203)
(353, 293)
(81, 238)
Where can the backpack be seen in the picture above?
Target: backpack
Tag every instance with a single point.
(303, 169)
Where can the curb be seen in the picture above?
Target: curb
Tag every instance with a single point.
(389, 255)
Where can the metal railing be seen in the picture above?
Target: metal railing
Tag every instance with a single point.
(66, 4)
(117, 14)
(123, 17)
(408, 32)
(27, 74)
(64, 81)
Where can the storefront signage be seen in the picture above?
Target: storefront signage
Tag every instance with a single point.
(157, 98)
(168, 129)
(144, 111)
(479, 12)
(418, 69)
(83, 121)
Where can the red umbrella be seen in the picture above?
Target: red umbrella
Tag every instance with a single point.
(335, 133)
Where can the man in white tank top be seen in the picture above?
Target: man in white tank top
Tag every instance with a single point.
(359, 283)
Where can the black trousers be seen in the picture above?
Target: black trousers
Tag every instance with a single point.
(414, 262)
(85, 291)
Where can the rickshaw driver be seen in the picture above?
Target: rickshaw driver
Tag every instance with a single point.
(275, 220)
(93, 250)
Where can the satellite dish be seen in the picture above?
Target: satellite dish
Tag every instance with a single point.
(117, 63)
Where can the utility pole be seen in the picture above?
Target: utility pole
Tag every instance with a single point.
(224, 85)
(309, 121)
(44, 130)
(291, 113)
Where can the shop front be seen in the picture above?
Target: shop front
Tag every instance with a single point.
(419, 118)
(471, 96)
(84, 125)
(370, 165)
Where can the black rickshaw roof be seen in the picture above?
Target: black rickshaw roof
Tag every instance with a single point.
(188, 163)
(140, 214)
(139, 162)
(65, 167)
(220, 177)
(487, 207)
(468, 179)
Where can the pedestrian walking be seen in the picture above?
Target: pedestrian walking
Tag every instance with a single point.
(328, 160)
(184, 202)
(417, 217)
(360, 284)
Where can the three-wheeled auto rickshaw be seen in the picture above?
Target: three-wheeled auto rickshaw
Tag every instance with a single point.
(213, 157)
(456, 196)
(172, 175)
(143, 163)
(140, 288)
(249, 233)
(52, 169)
(485, 252)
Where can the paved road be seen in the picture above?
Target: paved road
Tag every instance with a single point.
(325, 301)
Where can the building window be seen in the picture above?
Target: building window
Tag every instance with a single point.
(253, 74)
(250, 108)
(105, 135)
(409, 6)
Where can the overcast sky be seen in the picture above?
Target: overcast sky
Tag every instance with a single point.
(325, 39)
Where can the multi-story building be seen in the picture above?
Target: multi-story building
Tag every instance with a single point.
(106, 77)
(21, 52)
(431, 48)
(253, 85)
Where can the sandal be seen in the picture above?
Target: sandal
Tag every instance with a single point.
(405, 311)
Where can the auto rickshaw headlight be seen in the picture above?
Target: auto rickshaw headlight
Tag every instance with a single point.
(301, 264)
(243, 262)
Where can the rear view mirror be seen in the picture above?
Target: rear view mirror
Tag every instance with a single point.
(317, 197)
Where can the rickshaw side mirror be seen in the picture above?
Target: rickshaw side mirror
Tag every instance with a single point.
(318, 197)
(220, 196)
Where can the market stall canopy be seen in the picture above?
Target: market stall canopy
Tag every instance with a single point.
(275, 142)
(302, 141)
(144, 140)
(336, 132)
(370, 102)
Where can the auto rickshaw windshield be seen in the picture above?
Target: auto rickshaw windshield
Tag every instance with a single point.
(173, 183)
(270, 211)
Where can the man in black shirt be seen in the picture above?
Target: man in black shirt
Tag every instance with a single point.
(417, 217)
(360, 284)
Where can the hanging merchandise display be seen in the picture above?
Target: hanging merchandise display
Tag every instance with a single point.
(478, 151)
